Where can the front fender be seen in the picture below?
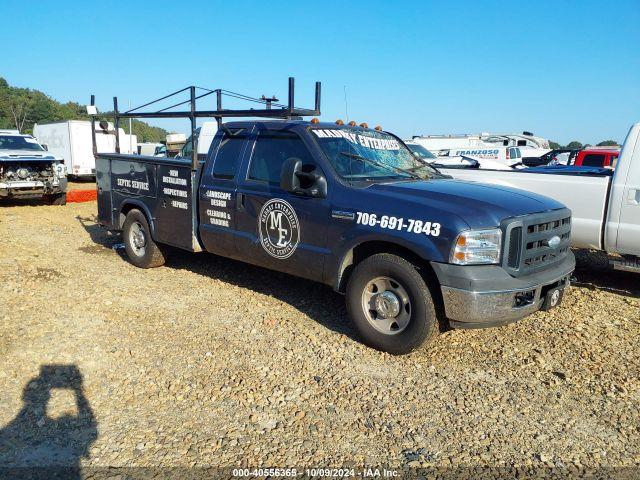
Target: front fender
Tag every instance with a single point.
(423, 247)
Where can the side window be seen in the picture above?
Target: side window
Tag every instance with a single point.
(227, 158)
(187, 148)
(593, 160)
(270, 152)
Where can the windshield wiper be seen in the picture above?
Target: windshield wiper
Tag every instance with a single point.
(381, 165)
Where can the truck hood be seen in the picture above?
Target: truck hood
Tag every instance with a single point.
(479, 205)
(26, 155)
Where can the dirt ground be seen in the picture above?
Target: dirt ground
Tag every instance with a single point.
(81, 185)
(210, 362)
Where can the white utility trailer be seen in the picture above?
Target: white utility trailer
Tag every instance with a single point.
(71, 140)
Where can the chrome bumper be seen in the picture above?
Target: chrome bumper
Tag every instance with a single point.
(467, 309)
(487, 296)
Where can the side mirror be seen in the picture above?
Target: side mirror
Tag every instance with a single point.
(295, 180)
(45, 146)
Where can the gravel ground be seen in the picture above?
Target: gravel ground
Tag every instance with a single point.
(81, 185)
(208, 361)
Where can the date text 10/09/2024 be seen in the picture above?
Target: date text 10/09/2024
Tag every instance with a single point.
(398, 223)
(315, 472)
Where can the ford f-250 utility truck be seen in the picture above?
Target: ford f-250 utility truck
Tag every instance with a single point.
(605, 203)
(350, 207)
(28, 171)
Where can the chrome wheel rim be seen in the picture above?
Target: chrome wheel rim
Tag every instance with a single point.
(137, 239)
(386, 305)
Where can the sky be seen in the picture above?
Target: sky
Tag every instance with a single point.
(564, 70)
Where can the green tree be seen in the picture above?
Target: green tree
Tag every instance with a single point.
(574, 145)
(21, 108)
(554, 145)
(608, 143)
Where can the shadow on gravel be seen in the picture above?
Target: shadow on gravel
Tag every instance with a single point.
(315, 300)
(103, 240)
(24, 202)
(593, 272)
(37, 445)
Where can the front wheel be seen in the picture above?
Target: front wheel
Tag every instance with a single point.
(142, 251)
(390, 304)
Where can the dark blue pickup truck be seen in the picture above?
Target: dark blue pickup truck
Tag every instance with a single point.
(353, 208)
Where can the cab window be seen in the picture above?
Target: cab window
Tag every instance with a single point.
(593, 160)
(271, 150)
(227, 158)
(187, 148)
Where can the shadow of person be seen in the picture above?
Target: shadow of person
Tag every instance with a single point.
(36, 444)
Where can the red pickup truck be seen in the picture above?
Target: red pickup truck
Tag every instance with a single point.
(597, 157)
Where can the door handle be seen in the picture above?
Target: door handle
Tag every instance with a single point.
(633, 197)
(240, 201)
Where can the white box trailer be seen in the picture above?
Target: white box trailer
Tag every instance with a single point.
(71, 140)
(148, 148)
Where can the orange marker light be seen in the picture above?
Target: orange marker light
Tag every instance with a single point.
(315, 120)
(364, 125)
(352, 123)
(339, 122)
(378, 128)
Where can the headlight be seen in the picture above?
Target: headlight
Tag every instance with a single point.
(477, 247)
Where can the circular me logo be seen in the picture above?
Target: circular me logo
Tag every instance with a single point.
(279, 228)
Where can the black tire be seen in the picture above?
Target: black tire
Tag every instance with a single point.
(420, 311)
(142, 251)
(56, 199)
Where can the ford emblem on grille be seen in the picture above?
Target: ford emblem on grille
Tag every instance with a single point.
(554, 241)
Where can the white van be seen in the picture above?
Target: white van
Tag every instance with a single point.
(204, 134)
(71, 140)
(442, 145)
(508, 156)
(454, 161)
(148, 148)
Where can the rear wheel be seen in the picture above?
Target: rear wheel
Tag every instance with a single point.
(142, 251)
(390, 304)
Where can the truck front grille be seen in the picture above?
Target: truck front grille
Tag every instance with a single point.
(534, 242)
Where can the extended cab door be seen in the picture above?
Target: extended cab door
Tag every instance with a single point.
(277, 229)
(217, 193)
(628, 241)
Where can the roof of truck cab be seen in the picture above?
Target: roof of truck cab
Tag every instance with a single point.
(600, 150)
(300, 123)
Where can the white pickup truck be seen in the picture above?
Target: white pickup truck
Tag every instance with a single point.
(605, 204)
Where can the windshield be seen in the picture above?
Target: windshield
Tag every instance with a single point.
(15, 142)
(364, 155)
(420, 151)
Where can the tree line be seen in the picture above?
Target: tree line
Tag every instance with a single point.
(575, 145)
(21, 108)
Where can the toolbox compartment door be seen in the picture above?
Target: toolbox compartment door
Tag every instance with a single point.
(103, 181)
(174, 207)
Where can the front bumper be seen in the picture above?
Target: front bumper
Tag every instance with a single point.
(30, 188)
(482, 296)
